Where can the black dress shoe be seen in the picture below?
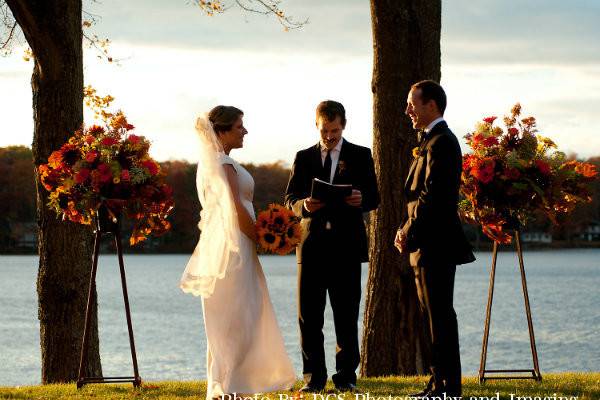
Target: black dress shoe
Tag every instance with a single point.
(311, 388)
(428, 389)
(345, 387)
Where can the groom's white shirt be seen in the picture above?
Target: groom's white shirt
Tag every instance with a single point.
(432, 124)
(335, 156)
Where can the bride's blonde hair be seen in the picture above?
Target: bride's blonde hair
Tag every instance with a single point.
(222, 118)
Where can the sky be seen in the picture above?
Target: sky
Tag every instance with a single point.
(177, 63)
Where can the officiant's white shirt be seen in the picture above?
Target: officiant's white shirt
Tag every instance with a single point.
(432, 124)
(335, 156)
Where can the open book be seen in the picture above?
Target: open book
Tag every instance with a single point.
(328, 192)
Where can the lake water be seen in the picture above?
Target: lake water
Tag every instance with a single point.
(563, 288)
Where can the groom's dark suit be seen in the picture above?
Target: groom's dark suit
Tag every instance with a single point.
(333, 245)
(437, 243)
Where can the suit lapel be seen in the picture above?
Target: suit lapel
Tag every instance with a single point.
(437, 129)
(315, 160)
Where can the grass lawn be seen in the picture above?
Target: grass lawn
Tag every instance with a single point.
(571, 385)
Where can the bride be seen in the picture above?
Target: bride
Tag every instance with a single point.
(245, 349)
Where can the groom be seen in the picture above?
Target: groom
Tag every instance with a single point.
(333, 246)
(433, 234)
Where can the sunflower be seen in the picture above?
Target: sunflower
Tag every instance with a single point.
(269, 241)
(293, 234)
(284, 248)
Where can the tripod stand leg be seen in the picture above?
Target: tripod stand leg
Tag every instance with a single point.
(534, 355)
(88, 314)
(488, 316)
(137, 380)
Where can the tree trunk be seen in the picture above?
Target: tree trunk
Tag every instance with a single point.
(53, 31)
(406, 47)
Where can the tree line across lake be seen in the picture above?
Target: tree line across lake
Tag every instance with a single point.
(18, 227)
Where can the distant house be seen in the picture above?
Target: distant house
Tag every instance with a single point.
(536, 237)
(25, 234)
(591, 232)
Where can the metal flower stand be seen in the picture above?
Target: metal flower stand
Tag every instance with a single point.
(104, 225)
(508, 373)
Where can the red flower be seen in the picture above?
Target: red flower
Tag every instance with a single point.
(477, 140)
(489, 120)
(490, 141)
(513, 131)
(125, 175)
(89, 139)
(484, 170)
(91, 156)
(133, 139)
(108, 141)
(150, 166)
(129, 127)
(82, 175)
(512, 173)
(105, 173)
(543, 166)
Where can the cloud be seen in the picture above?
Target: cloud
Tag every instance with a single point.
(535, 31)
(334, 26)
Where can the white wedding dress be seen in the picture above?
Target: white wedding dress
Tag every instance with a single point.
(245, 348)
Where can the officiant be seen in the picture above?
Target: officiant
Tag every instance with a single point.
(333, 246)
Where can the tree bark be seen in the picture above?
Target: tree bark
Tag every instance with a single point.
(406, 49)
(53, 31)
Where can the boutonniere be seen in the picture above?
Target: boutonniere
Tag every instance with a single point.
(416, 152)
(341, 166)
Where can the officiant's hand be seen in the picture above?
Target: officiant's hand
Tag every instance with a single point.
(313, 205)
(400, 241)
(355, 199)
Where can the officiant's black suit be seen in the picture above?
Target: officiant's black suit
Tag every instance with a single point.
(333, 246)
(437, 243)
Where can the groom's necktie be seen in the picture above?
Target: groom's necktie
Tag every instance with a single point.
(421, 136)
(326, 176)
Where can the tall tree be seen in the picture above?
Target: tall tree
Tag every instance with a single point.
(406, 49)
(53, 31)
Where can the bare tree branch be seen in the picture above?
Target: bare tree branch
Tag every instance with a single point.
(10, 36)
(264, 7)
(11, 28)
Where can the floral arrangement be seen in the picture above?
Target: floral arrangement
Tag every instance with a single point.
(278, 230)
(108, 166)
(513, 172)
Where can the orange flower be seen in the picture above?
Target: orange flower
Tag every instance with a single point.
(119, 121)
(55, 159)
(496, 233)
(586, 169)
